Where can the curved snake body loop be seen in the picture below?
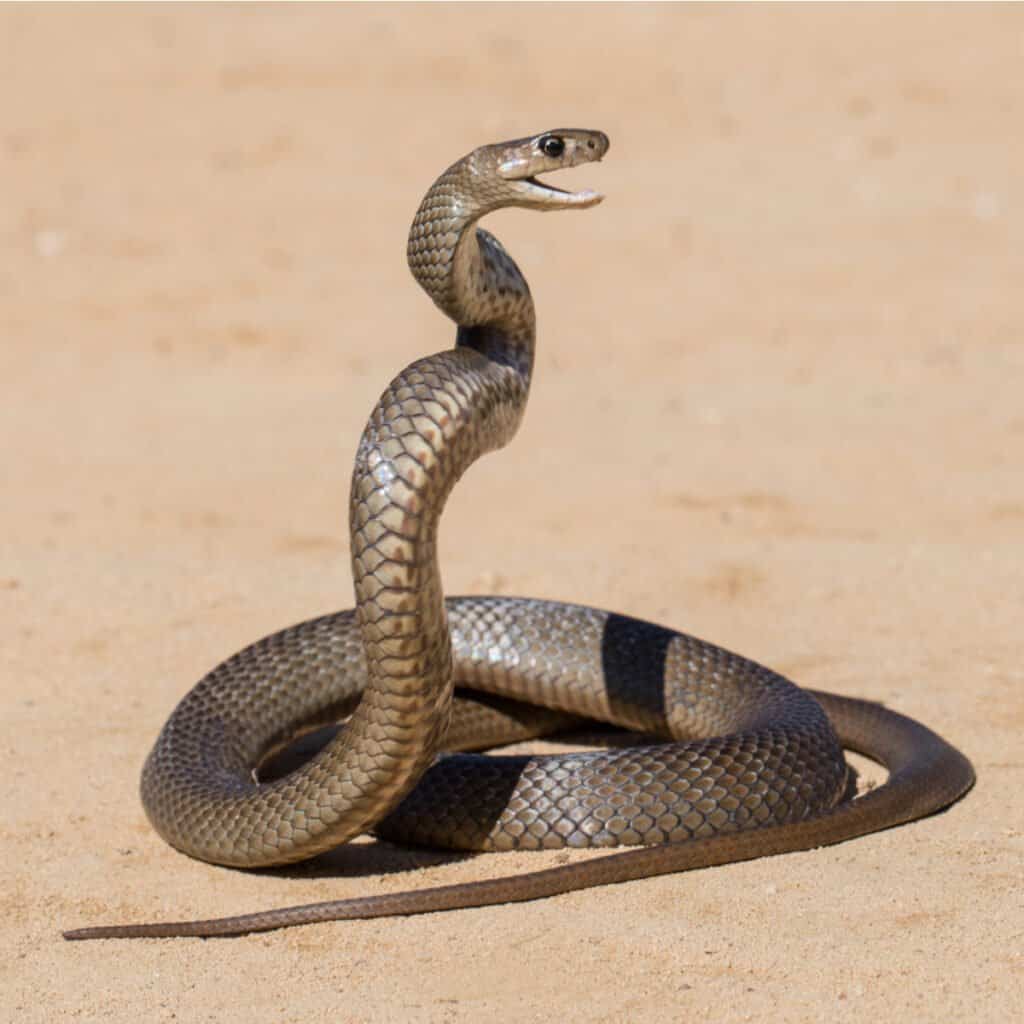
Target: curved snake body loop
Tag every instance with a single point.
(750, 765)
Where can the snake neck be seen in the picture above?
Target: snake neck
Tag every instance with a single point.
(434, 420)
(469, 274)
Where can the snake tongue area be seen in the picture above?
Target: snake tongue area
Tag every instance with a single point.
(766, 781)
(585, 197)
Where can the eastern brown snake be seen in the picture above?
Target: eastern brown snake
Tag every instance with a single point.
(750, 765)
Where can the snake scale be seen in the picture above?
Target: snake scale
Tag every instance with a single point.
(746, 763)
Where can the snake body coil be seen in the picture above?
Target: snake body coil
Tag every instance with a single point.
(751, 765)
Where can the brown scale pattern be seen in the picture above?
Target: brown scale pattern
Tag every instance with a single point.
(772, 756)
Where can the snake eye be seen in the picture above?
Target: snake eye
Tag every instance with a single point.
(552, 145)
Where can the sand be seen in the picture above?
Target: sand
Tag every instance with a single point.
(778, 404)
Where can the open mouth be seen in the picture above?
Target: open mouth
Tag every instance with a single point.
(537, 183)
(560, 196)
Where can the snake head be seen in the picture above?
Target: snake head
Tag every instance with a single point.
(519, 162)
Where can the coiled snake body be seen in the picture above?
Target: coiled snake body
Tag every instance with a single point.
(751, 765)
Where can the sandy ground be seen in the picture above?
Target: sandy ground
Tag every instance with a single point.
(778, 404)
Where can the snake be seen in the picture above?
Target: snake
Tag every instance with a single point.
(737, 762)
